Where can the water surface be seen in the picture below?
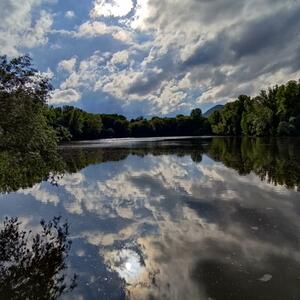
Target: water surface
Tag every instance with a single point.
(208, 218)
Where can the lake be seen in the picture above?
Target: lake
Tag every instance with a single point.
(194, 218)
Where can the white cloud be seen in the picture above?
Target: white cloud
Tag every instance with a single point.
(102, 72)
(91, 29)
(82, 77)
(121, 57)
(41, 194)
(67, 64)
(86, 74)
(66, 96)
(111, 8)
(70, 14)
(200, 28)
(18, 27)
(142, 13)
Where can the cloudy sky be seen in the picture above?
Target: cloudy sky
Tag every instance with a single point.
(162, 57)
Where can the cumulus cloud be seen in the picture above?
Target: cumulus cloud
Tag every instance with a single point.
(228, 49)
(66, 96)
(120, 57)
(19, 28)
(114, 8)
(211, 52)
(67, 64)
(91, 29)
(70, 14)
(81, 78)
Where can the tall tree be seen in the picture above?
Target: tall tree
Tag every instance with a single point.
(23, 95)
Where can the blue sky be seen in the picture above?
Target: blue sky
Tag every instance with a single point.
(154, 57)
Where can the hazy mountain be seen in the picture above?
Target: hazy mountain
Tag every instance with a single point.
(211, 110)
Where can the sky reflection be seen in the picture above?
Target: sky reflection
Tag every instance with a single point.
(169, 227)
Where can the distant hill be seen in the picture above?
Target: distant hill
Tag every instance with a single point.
(213, 109)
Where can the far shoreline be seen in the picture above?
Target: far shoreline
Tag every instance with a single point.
(115, 142)
(107, 142)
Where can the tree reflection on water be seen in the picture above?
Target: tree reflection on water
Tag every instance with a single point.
(274, 160)
(22, 170)
(194, 219)
(33, 266)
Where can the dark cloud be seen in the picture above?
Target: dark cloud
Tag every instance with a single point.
(211, 53)
(251, 48)
(278, 31)
(157, 71)
(146, 83)
(274, 33)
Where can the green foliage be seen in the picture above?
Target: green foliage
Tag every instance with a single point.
(115, 126)
(273, 112)
(22, 170)
(71, 123)
(272, 159)
(141, 128)
(196, 114)
(227, 121)
(23, 95)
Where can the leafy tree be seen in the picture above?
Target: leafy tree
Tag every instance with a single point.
(92, 126)
(196, 114)
(215, 120)
(228, 120)
(73, 123)
(273, 112)
(115, 125)
(141, 128)
(23, 95)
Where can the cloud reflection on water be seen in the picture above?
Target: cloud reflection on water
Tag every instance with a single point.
(176, 229)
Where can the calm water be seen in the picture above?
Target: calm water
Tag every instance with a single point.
(209, 218)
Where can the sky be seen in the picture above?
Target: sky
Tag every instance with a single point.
(154, 57)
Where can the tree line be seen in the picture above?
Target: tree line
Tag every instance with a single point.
(274, 112)
(71, 123)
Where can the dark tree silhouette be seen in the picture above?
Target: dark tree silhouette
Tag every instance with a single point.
(33, 266)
